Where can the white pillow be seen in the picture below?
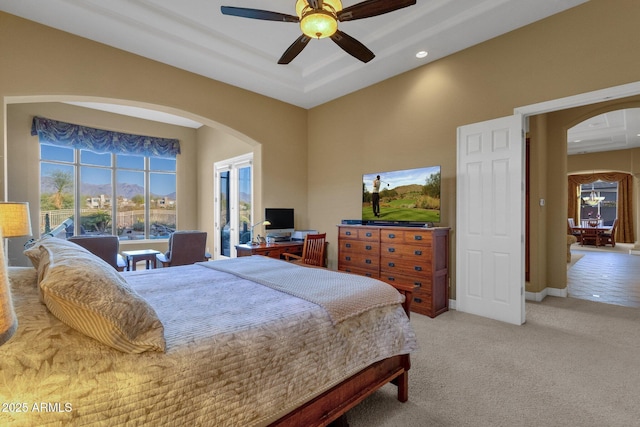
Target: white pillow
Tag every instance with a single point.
(89, 295)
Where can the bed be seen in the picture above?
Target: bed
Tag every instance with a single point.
(251, 341)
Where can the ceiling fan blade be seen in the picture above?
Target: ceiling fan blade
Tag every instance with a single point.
(352, 46)
(258, 14)
(369, 8)
(293, 50)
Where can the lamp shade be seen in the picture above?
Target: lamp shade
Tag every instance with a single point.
(8, 319)
(14, 219)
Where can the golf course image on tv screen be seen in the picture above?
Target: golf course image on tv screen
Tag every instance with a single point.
(405, 196)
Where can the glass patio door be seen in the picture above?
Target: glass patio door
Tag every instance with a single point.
(233, 204)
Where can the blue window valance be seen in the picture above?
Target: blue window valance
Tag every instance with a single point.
(102, 141)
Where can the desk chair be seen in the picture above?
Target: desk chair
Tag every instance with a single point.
(103, 246)
(313, 251)
(185, 247)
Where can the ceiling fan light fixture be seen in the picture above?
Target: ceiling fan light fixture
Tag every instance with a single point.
(319, 24)
(330, 5)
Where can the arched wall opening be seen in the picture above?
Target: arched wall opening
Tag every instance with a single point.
(201, 148)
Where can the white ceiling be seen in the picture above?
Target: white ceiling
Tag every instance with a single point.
(194, 35)
(616, 130)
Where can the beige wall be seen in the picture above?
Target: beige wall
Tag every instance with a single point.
(313, 160)
(42, 65)
(411, 120)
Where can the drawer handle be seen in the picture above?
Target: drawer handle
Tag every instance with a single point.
(348, 233)
(392, 264)
(368, 247)
(348, 270)
(392, 249)
(417, 252)
(391, 279)
(368, 234)
(348, 245)
(417, 237)
(417, 268)
(367, 261)
(368, 274)
(392, 236)
(417, 284)
(348, 258)
(418, 300)
(266, 253)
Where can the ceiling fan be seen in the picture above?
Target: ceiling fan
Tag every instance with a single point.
(319, 19)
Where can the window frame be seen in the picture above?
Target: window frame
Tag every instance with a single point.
(113, 169)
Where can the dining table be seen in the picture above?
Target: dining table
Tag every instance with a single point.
(592, 234)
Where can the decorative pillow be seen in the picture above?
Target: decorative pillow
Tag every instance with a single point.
(89, 295)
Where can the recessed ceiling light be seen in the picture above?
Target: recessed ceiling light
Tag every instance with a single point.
(422, 54)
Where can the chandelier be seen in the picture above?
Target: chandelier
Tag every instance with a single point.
(593, 199)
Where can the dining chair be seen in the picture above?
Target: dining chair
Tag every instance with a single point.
(313, 251)
(609, 237)
(573, 230)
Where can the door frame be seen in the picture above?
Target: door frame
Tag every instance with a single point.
(232, 165)
(586, 98)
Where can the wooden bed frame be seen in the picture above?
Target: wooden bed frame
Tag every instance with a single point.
(335, 402)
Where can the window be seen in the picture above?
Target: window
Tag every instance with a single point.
(131, 196)
(599, 200)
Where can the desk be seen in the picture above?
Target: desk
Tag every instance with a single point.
(273, 250)
(132, 257)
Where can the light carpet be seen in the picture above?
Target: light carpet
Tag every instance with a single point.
(574, 363)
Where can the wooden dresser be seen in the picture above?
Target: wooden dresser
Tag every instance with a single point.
(409, 256)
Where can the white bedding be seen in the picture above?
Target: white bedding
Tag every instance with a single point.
(237, 353)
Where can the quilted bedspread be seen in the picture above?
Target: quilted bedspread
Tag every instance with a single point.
(238, 353)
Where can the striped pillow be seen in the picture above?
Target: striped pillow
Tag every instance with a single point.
(90, 296)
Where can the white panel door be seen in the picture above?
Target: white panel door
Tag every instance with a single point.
(490, 220)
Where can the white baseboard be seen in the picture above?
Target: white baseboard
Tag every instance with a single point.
(539, 296)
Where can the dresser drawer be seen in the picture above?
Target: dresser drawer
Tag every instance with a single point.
(407, 267)
(360, 271)
(418, 283)
(359, 247)
(404, 251)
(418, 237)
(366, 234)
(359, 260)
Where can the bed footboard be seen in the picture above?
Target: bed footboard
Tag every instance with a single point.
(335, 402)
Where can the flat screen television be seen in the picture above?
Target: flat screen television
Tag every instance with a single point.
(280, 218)
(406, 197)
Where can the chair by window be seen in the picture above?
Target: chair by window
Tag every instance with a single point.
(185, 247)
(103, 246)
(573, 230)
(609, 237)
(313, 251)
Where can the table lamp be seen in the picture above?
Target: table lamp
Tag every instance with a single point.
(265, 222)
(14, 222)
(14, 219)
